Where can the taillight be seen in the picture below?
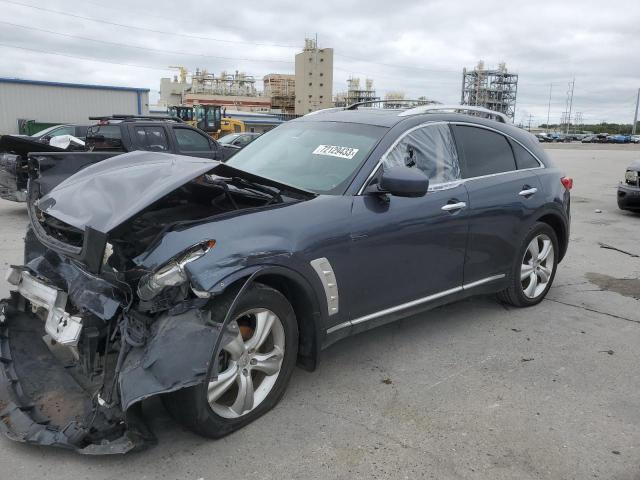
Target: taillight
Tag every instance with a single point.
(567, 182)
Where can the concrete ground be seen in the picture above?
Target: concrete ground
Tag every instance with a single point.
(473, 390)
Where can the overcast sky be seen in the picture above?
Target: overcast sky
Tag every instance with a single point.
(418, 47)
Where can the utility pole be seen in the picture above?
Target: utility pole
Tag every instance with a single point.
(530, 117)
(549, 107)
(635, 117)
(570, 101)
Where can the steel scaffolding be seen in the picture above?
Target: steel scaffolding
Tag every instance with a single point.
(492, 89)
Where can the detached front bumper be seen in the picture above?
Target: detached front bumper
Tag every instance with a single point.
(41, 402)
(628, 197)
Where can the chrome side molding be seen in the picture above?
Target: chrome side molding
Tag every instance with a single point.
(416, 302)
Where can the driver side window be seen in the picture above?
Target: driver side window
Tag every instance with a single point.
(430, 149)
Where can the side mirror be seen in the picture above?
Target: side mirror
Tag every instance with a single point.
(404, 182)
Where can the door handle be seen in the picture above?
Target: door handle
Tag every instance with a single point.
(452, 207)
(528, 192)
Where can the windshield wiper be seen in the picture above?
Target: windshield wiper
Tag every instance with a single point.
(272, 192)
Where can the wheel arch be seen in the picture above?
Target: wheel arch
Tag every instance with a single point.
(304, 301)
(559, 226)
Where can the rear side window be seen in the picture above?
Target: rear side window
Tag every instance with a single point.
(485, 152)
(151, 138)
(191, 141)
(523, 158)
(430, 149)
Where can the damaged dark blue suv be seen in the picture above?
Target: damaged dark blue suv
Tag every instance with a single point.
(205, 282)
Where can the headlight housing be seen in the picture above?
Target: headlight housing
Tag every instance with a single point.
(171, 274)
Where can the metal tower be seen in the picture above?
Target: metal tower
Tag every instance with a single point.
(492, 89)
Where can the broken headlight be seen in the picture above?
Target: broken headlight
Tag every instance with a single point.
(171, 274)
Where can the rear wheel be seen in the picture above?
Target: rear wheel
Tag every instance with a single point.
(254, 367)
(534, 268)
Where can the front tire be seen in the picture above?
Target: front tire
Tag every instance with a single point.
(534, 267)
(254, 367)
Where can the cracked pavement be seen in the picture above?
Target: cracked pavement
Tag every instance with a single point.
(472, 390)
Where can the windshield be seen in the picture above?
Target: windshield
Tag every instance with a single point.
(42, 133)
(322, 157)
(229, 138)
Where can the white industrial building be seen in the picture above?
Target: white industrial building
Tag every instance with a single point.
(54, 102)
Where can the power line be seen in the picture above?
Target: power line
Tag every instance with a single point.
(142, 48)
(123, 25)
(150, 67)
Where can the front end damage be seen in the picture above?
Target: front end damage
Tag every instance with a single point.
(92, 329)
(74, 367)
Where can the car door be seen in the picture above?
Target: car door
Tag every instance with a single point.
(409, 249)
(193, 143)
(502, 199)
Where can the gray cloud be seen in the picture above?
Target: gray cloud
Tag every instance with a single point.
(418, 47)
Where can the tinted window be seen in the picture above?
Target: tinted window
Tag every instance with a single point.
(81, 131)
(104, 137)
(485, 152)
(431, 149)
(151, 138)
(523, 158)
(191, 141)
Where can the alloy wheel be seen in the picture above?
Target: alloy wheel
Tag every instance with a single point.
(537, 266)
(249, 364)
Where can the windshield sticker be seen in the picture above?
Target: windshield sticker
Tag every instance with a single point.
(336, 151)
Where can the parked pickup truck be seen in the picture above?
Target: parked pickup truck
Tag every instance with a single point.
(109, 137)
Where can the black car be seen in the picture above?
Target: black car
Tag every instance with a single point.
(629, 189)
(205, 283)
(110, 136)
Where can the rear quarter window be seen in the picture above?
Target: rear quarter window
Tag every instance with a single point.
(523, 158)
(485, 152)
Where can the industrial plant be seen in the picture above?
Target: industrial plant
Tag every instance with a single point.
(492, 89)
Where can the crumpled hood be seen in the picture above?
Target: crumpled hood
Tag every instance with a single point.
(106, 194)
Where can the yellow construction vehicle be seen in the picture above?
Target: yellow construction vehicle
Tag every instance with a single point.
(205, 117)
(209, 119)
(231, 125)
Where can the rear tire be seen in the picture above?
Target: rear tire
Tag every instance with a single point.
(534, 267)
(255, 368)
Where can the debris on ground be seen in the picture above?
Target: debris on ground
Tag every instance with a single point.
(387, 381)
(527, 360)
(615, 452)
(611, 247)
(597, 210)
(517, 330)
(610, 352)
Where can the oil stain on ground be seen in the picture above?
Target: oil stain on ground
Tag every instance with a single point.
(629, 287)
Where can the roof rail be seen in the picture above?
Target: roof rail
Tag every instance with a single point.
(492, 114)
(137, 117)
(323, 110)
(354, 106)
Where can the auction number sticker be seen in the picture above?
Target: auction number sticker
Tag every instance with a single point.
(336, 151)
